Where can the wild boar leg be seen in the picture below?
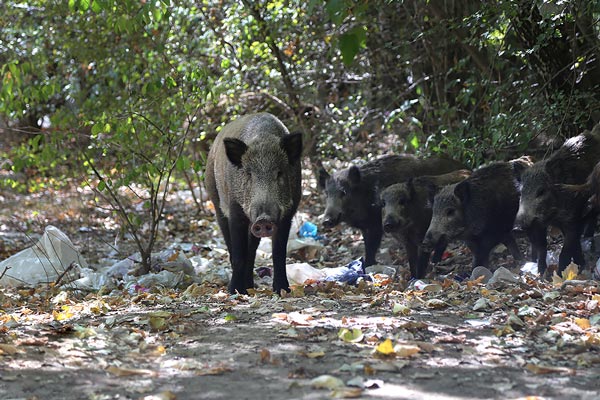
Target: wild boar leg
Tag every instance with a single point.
(422, 263)
(571, 249)
(280, 239)
(238, 249)
(539, 246)
(372, 237)
(413, 257)
(481, 251)
(510, 242)
(253, 243)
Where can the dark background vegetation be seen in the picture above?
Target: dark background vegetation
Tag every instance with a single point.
(127, 95)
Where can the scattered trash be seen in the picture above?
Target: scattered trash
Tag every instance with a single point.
(349, 273)
(530, 268)
(503, 275)
(304, 237)
(481, 271)
(51, 258)
(208, 271)
(552, 257)
(381, 269)
(479, 322)
(424, 286)
(308, 230)
(298, 273)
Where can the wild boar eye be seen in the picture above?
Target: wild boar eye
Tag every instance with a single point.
(450, 212)
(540, 192)
(402, 202)
(343, 192)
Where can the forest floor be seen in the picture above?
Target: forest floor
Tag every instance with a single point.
(386, 339)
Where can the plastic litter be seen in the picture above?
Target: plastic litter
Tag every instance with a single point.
(503, 275)
(207, 271)
(530, 268)
(299, 273)
(308, 230)
(349, 273)
(481, 271)
(420, 285)
(304, 236)
(43, 262)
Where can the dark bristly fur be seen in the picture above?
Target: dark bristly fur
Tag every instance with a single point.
(544, 202)
(253, 178)
(479, 210)
(353, 193)
(407, 209)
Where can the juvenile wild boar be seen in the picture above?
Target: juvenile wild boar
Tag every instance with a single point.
(253, 178)
(353, 193)
(479, 210)
(543, 203)
(407, 209)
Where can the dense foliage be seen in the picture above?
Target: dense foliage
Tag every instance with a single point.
(438, 74)
(131, 92)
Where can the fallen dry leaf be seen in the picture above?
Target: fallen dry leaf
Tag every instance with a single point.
(547, 369)
(129, 371)
(8, 349)
(385, 348)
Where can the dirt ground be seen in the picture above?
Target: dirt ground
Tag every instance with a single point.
(451, 339)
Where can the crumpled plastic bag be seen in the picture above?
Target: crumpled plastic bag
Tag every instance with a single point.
(299, 273)
(43, 262)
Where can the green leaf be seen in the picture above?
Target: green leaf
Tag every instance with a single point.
(84, 5)
(351, 42)
(337, 11)
(414, 142)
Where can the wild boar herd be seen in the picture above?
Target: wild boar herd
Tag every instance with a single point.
(253, 179)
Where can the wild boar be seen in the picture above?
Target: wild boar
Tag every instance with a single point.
(542, 202)
(407, 209)
(480, 210)
(253, 177)
(353, 193)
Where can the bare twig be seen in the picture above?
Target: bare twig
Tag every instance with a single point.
(62, 275)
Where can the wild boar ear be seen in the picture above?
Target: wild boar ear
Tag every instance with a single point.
(462, 190)
(519, 166)
(354, 175)
(235, 149)
(431, 190)
(292, 145)
(322, 178)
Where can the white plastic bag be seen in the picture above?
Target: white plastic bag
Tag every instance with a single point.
(43, 262)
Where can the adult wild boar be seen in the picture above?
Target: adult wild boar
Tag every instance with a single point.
(353, 193)
(407, 209)
(544, 201)
(253, 178)
(479, 210)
